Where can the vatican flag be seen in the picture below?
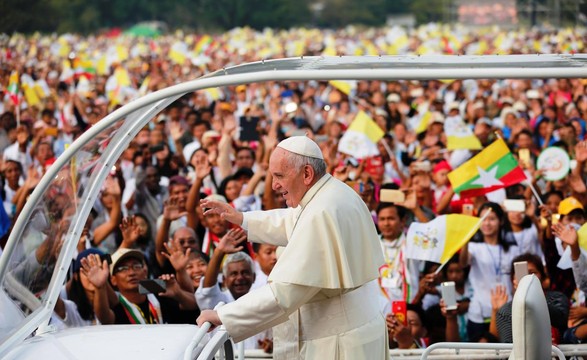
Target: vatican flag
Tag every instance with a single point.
(360, 139)
(438, 240)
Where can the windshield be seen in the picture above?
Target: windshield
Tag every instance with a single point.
(31, 266)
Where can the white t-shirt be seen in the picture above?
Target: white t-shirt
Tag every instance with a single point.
(490, 266)
(528, 242)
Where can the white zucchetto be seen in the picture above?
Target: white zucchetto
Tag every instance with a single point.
(302, 145)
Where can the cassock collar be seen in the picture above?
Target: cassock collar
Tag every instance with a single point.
(314, 189)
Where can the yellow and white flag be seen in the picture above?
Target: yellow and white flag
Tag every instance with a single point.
(438, 240)
(360, 139)
(459, 135)
(419, 122)
(342, 86)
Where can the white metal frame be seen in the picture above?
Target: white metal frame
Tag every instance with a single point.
(475, 346)
(139, 112)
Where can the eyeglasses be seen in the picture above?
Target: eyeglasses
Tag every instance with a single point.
(126, 268)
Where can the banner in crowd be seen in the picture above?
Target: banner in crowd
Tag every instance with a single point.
(438, 240)
(360, 139)
(459, 135)
(493, 168)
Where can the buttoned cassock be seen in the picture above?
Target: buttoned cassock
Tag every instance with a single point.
(321, 287)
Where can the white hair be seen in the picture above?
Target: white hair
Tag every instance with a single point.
(298, 161)
(236, 257)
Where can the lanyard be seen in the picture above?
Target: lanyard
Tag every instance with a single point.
(496, 266)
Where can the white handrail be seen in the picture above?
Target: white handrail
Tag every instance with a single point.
(482, 346)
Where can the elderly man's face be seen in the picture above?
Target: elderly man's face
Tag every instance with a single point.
(239, 278)
(287, 181)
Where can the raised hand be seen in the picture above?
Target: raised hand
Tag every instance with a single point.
(171, 209)
(95, 270)
(177, 258)
(228, 243)
(499, 297)
(175, 130)
(225, 211)
(566, 233)
(581, 151)
(171, 286)
(203, 167)
(130, 230)
(112, 186)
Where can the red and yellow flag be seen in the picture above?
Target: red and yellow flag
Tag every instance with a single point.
(493, 168)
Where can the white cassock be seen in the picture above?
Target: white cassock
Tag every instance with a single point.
(321, 287)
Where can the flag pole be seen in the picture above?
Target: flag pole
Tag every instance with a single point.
(18, 114)
(469, 235)
(386, 146)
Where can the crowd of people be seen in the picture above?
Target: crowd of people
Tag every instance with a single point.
(216, 144)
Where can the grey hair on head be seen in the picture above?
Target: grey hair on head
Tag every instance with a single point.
(298, 161)
(236, 257)
(189, 229)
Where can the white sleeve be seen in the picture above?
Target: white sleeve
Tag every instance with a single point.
(580, 272)
(208, 298)
(269, 227)
(263, 308)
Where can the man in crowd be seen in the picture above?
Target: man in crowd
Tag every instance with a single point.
(323, 280)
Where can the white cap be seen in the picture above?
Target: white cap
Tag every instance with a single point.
(393, 98)
(301, 145)
(533, 94)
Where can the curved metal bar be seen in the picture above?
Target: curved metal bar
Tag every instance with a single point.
(487, 346)
(188, 354)
(219, 341)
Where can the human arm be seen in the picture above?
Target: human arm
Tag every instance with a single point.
(97, 273)
(452, 324)
(399, 332)
(171, 212)
(226, 245)
(260, 309)
(499, 298)
(203, 169)
(102, 231)
(185, 299)
(130, 232)
(225, 146)
(569, 235)
(179, 261)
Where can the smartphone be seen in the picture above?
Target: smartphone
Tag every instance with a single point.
(524, 155)
(51, 131)
(468, 209)
(248, 128)
(400, 310)
(156, 148)
(449, 294)
(520, 270)
(392, 196)
(514, 205)
(555, 218)
(152, 286)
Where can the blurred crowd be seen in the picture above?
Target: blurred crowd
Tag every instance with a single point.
(217, 143)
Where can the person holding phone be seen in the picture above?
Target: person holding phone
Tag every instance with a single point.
(557, 302)
(489, 256)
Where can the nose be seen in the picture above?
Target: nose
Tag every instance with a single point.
(275, 185)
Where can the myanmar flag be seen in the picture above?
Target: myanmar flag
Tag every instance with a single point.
(459, 135)
(13, 87)
(493, 168)
(438, 240)
(360, 139)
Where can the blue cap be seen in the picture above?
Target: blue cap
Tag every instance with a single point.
(84, 254)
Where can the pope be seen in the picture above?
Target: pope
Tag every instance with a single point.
(322, 289)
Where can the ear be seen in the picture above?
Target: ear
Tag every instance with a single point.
(308, 175)
(113, 281)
